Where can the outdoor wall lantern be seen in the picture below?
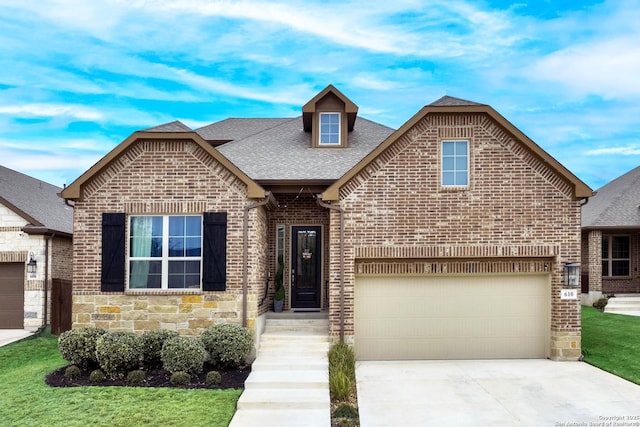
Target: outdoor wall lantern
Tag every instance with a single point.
(32, 264)
(571, 274)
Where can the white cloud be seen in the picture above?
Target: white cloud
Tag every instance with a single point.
(52, 110)
(629, 150)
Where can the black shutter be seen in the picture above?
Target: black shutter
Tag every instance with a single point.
(113, 256)
(214, 254)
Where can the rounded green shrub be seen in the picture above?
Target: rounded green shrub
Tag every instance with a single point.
(136, 377)
(78, 346)
(152, 342)
(72, 372)
(213, 378)
(601, 303)
(118, 352)
(180, 378)
(97, 376)
(183, 354)
(227, 344)
(345, 410)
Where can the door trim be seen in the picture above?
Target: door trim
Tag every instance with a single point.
(289, 266)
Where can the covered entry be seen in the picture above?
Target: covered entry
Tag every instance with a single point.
(11, 295)
(452, 317)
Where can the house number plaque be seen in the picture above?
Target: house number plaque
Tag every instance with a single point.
(569, 294)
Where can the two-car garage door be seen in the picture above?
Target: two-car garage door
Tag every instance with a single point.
(452, 317)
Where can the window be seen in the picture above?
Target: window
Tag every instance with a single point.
(615, 256)
(165, 252)
(329, 128)
(455, 163)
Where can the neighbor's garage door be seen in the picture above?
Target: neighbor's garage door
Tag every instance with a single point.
(11, 295)
(452, 317)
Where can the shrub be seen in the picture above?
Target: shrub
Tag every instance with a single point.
(78, 346)
(601, 304)
(152, 342)
(72, 372)
(344, 410)
(340, 386)
(136, 377)
(180, 378)
(183, 354)
(227, 344)
(97, 376)
(342, 358)
(213, 378)
(118, 352)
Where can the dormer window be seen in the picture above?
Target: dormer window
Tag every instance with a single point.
(329, 129)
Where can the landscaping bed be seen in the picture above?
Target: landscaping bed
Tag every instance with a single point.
(230, 378)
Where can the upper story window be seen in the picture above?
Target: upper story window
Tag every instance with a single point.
(615, 255)
(329, 129)
(165, 252)
(455, 163)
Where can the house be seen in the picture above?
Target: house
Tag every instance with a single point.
(446, 238)
(611, 239)
(36, 228)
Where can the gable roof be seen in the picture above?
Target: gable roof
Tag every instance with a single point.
(616, 204)
(309, 108)
(37, 202)
(175, 126)
(74, 191)
(453, 105)
(234, 128)
(284, 153)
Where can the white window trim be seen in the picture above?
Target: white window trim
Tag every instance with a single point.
(467, 165)
(165, 258)
(330, 144)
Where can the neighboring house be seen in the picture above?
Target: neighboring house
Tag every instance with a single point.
(611, 239)
(36, 227)
(447, 238)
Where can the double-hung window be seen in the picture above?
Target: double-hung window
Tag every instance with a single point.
(615, 255)
(329, 129)
(165, 252)
(455, 163)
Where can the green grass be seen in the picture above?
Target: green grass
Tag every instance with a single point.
(611, 342)
(25, 399)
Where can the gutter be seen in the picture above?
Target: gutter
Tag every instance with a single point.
(245, 250)
(341, 213)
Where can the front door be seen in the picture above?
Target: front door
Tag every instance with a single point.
(306, 267)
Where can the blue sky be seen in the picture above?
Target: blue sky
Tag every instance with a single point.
(78, 77)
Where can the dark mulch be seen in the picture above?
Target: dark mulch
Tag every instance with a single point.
(231, 378)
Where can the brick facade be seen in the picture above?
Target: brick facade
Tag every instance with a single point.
(166, 177)
(514, 205)
(592, 262)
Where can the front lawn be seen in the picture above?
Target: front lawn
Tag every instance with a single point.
(611, 342)
(25, 399)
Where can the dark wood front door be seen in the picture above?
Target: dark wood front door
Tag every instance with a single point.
(306, 267)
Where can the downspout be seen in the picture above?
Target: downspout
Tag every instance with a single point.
(47, 240)
(341, 213)
(245, 251)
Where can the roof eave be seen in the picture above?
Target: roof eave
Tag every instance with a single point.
(581, 190)
(74, 190)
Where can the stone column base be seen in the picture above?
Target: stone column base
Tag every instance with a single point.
(590, 298)
(565, 345)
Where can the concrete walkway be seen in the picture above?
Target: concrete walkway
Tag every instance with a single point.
(289, 380)
(493, 393)
(628, 304)
(7, 336)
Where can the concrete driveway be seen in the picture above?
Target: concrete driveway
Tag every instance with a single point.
(493, 393)
(7, 336)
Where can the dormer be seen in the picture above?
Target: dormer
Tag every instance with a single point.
(329, 116)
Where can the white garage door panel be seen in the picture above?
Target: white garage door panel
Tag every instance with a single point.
(452, 317)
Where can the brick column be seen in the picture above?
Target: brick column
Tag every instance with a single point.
(595, 261)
